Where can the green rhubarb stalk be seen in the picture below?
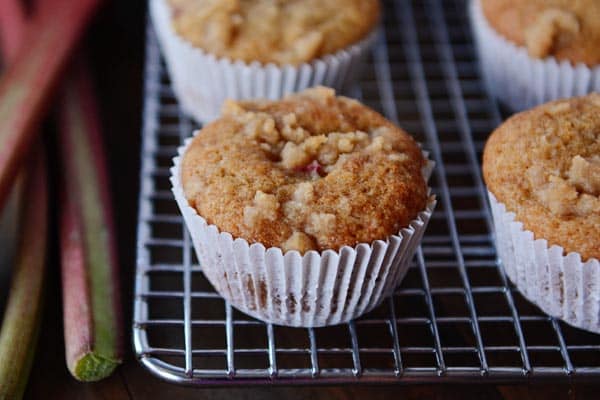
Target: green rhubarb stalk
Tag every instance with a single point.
(91, 303)
(22, 315)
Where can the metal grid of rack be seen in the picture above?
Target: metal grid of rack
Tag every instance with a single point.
(455, 317)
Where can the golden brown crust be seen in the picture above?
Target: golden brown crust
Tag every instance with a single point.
(312, 171)
(267, 31)
(544, 165)
(566, 29)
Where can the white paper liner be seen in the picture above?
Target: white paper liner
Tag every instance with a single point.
(304, 291)
(561, 285)
(520, 81)
(202, 82)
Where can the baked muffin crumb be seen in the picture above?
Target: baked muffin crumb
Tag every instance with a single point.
(267, 31)
(556, 149)
(564, 29)
(312, 171)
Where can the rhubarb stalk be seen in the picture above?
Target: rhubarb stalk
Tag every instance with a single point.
(12, 27)
(22, 315)
(12, 24)
(27, 85)
(92, 311)
(91, 304)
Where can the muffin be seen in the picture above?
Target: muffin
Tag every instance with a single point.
(304, 211)
(539, 50)
(542, 171)
(260, 48)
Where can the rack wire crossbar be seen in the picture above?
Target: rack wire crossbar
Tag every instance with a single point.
(455, 316)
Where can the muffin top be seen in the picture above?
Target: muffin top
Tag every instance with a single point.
(273, 31)
(544, 165)
(566, 29)
(310, 172)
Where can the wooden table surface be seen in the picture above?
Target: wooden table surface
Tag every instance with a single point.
(116, 43)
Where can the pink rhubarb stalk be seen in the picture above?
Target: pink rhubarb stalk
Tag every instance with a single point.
(91, 301)
(22, 315)
(12, 27)
(27, 85)
(18, 335)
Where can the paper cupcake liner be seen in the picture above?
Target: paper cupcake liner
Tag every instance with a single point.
(202, 81)
(310, 290)
(561, 285)
(520, 81)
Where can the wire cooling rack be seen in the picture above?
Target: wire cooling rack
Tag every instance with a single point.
(454, 318)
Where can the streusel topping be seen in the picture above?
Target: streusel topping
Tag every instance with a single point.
(313, 171)
(274, 31)
(544, 165)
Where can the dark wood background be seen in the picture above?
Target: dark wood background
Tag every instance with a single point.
(115, 45)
